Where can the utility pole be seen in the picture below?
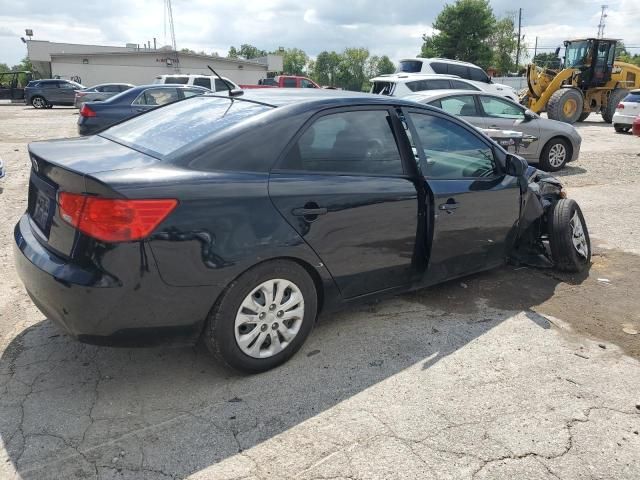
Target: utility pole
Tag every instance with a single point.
(601, 25)
(519, 36)
(535, 50)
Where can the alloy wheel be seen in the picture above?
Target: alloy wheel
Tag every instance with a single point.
(269, 318)
(557, 155)
(578, 237)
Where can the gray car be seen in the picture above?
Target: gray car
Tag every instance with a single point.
(49, 92)
(99, 92)
(557, 142)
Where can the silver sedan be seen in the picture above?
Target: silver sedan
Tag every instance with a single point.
(99, 92)
(556, 143)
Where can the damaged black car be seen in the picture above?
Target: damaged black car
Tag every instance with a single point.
(239, 219)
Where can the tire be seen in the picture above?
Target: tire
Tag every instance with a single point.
(583, 116)
(565, 105)
(227, 323)
(562, 237)
(621, 128)
(555, 155)
(39, 102)
(615, 97)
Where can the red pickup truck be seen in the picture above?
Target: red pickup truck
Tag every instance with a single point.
(284, 81)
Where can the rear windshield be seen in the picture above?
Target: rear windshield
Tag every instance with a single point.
(165, 130)
(633, 97)
(410, 66)
(177, 80)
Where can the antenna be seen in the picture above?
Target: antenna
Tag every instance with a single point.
(169, 15)
(601, 25)
(232, 92)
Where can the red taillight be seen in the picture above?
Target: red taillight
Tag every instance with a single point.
(114, 220)
(620, 106)
(86, 111)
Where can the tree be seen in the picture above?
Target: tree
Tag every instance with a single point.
(504, 43)
(385, 66)
(4, 68)
(547, 60)
(325, 68)
(246, 51)
(294, 61)
(463, 32)
(351, 70)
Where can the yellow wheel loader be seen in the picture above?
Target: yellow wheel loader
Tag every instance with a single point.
(590, 81)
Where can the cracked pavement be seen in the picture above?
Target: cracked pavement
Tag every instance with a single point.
(491, 377)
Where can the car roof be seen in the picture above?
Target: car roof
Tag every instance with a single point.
(411, 76)
(166, 85)
(435, 94)
(315, 98)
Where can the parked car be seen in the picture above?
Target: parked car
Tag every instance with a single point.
(239, 219)
(284, 81)
(635, 129)
(626, 112)
(49, 92)
(96, 116)
(557, 142)
(466, 70)
(206, 81)
(402, 84)
(99, 92)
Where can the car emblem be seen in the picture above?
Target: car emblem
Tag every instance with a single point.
(34, 162)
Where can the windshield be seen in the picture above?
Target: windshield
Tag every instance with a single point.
(165, 130)
(576, 53)
(409, 66)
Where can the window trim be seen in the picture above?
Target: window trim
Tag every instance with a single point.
(398, 133)
(498, 169)
(480, 106)
(476, 101)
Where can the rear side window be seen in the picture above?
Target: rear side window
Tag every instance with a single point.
(360, 143)
(166, 130)
(182, 80)
(157, 96)
(202, 82)
(478, 75)
(459, 85)
(410, 66)
(420, 85)
(439, 67)
(464, 105)
(632, 98)
(461, 71)
(289, 83)
(111, 88)
(383, 88)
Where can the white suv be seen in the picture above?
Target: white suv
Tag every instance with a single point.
(465, 70)
(401, 84)
(207, 81)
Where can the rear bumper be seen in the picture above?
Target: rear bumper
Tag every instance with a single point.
(621, 119)
(98, 307)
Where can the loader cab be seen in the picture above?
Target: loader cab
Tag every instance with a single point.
(594, 58)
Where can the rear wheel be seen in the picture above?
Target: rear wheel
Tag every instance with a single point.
(263, 317)
(616, 96)
(568, 237)
(565, 105)
(555, 155)
(39, 102)
(621, 128)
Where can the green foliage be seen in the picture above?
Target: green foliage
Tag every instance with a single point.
(351, 70)
(294, 61)
(246, 51)
(325, 69)
(548, 60)
(385, 66)
(4, 68)
(464, 31)
(504, 43)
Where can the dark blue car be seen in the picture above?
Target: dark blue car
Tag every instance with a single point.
(96, 116)
(238, 219)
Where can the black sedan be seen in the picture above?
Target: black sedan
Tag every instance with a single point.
(98, 115)
(239, 219)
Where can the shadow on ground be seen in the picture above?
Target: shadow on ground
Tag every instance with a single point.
(69, 410)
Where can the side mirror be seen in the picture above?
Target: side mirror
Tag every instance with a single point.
(529, 115)
(515, 166)
(557, 51)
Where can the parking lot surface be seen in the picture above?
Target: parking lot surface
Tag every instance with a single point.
(513, 373)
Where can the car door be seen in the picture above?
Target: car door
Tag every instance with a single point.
(349, 190)
(505, 115)
(52, 91)
(475, 205)
(154, 97)
(67, 93)
(464, 106)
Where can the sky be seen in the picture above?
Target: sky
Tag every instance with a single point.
(392, 28)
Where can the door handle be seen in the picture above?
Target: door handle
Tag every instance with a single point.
(450, 205)
(310, 211)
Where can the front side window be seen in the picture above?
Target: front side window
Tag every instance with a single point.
(306, 83)
(202, 82)
(451, 150)
(478, 75)
(191, 92)
(460, 85)
(157, 97)
(463, 105)
(359, 143)
(461, 71)
(497, 108)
